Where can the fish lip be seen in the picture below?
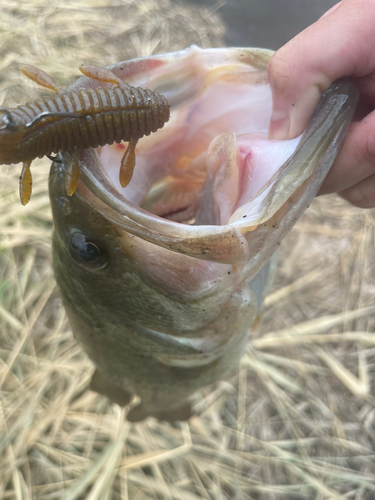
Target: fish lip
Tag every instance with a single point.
(129, 70)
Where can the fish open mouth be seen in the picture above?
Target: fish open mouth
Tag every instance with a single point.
(210, 177)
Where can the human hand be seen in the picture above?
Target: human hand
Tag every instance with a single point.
(339, 44)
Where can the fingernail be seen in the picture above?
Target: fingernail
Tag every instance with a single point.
(279, 127)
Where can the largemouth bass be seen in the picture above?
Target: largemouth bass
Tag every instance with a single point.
(162, 280)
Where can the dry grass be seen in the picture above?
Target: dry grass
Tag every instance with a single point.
(299, 419)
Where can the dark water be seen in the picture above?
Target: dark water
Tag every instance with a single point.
(267, 23)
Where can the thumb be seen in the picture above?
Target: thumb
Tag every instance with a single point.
(338, 44)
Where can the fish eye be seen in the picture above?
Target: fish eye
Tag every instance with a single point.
(87, 252)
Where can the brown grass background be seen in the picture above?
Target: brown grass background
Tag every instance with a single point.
(296, 422)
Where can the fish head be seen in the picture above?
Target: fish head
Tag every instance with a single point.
(162, 279)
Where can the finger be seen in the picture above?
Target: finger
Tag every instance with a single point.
(356, 159)
(339, 44)
(361, 195)
(329, 11)
(366, 87)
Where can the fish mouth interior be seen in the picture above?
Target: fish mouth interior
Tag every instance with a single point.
(211, 158)
(211, 168)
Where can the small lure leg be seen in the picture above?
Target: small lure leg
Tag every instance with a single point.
(40, 77)
(128, 163)
(102, 74)
(72, 174)
(25, 183)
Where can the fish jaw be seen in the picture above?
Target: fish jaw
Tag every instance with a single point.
(186, 244)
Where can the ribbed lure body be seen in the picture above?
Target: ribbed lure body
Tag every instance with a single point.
(106, 116)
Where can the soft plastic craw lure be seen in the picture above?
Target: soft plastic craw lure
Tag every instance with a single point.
(75, 120)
